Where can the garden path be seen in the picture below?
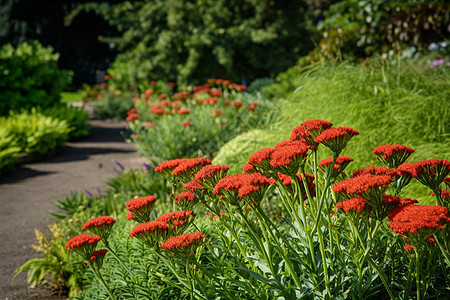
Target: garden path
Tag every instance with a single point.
(26, 197)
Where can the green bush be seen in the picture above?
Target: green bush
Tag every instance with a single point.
(75, 117)
(113, 106)
(29, 76)
(8, 150)
(35, 132)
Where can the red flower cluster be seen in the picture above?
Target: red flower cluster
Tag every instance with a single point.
(376, 171)
(432, 172)
(104, 221)
(363, 183)
(148, 227)
(82, 240)
(190, 241)
(340, 161)
(309, 130)
(177, 221)
(140, 208)
(132, 117)
(100, 226)
(211, 171)
(252, 106)
(237, 104)
(192, 186)
(184, 111)
(393, 155)
(185, 200)
(356, 204)
(140, 202)
(84, 245)
(186, 123)
(336, 139)
(423, 219)
(287, 181)
(283, 156)
(98, 253)
(189, 166)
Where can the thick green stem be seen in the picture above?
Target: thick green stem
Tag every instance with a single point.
(419, 294)
(100, 279)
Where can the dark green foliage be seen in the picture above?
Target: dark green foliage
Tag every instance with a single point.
(364, 28)
(189, 42)
(29, 77)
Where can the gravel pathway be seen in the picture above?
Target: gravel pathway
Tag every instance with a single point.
(26, 197)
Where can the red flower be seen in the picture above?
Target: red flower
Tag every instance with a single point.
(252, 106)
(148, 92)
(83, 244)
(97, 258)
(339, 166)
(408, 248)
(132, 117)
(185, 200)
(432, 172)
(356, 204)
(287, 181)
(237, 104)
(393, 155)
(184, 111)
(211, 100)
(186, 124)
(218, 113)
(289, 157)
(184, 245)
(369, 187)
(190, 166)
(177, 221)
(150, 125)
(336, 139)
(133, 110)
(248, 168)
(192, 185)
(309, 130)
(377, 171)
(209, 175)
(418, 222)
(141, 207)
(100, 226)
(150, 233)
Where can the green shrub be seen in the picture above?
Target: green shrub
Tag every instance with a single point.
(114, 106)
(8, 150)
(29, 76)
(35, 132)
(75, 117)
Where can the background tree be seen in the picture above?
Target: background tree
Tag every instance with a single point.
(190, 41)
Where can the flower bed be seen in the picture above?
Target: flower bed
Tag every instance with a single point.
(289, 226)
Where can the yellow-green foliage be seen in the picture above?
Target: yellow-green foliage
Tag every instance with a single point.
(35, 132)
(8, 150)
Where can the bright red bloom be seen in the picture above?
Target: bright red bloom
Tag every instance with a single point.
(237, 104)
(259, 156)
(424, 220)
(336, 139)
(210, 171)
(361, 183)
(393, 155)
(150, 233)
(148, 92)
(287, 181)
(218, 113)
(341, 163)
(192, 185)
(229, 183)
(309, 130)
(316, 125)
(184, 245)
(96, 254)
(162, 96)
(248, 168)
(185, 200)
(84, 245)
(177, 221)
(407, 169)
(376, 171)
(432, 172)
(408, 248)
(252, 106)
(182, 96)
(190, 166)
(132, 117)
(141, 207)
(100, 226)
(169, 165)
(131, 216)
(211, 100)
(133, 110)
(184, 111)
(356, 203)
(186, 123)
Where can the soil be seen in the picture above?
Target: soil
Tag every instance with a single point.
(27, 194)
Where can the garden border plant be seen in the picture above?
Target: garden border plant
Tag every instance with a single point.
(330, 237)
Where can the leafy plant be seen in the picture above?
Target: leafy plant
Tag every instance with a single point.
(35, 132)
(9, 151)
(113, 106)
(30, 77)
(75, 117)
(57, 262)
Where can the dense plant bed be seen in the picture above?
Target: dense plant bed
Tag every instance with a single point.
(289, 227)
